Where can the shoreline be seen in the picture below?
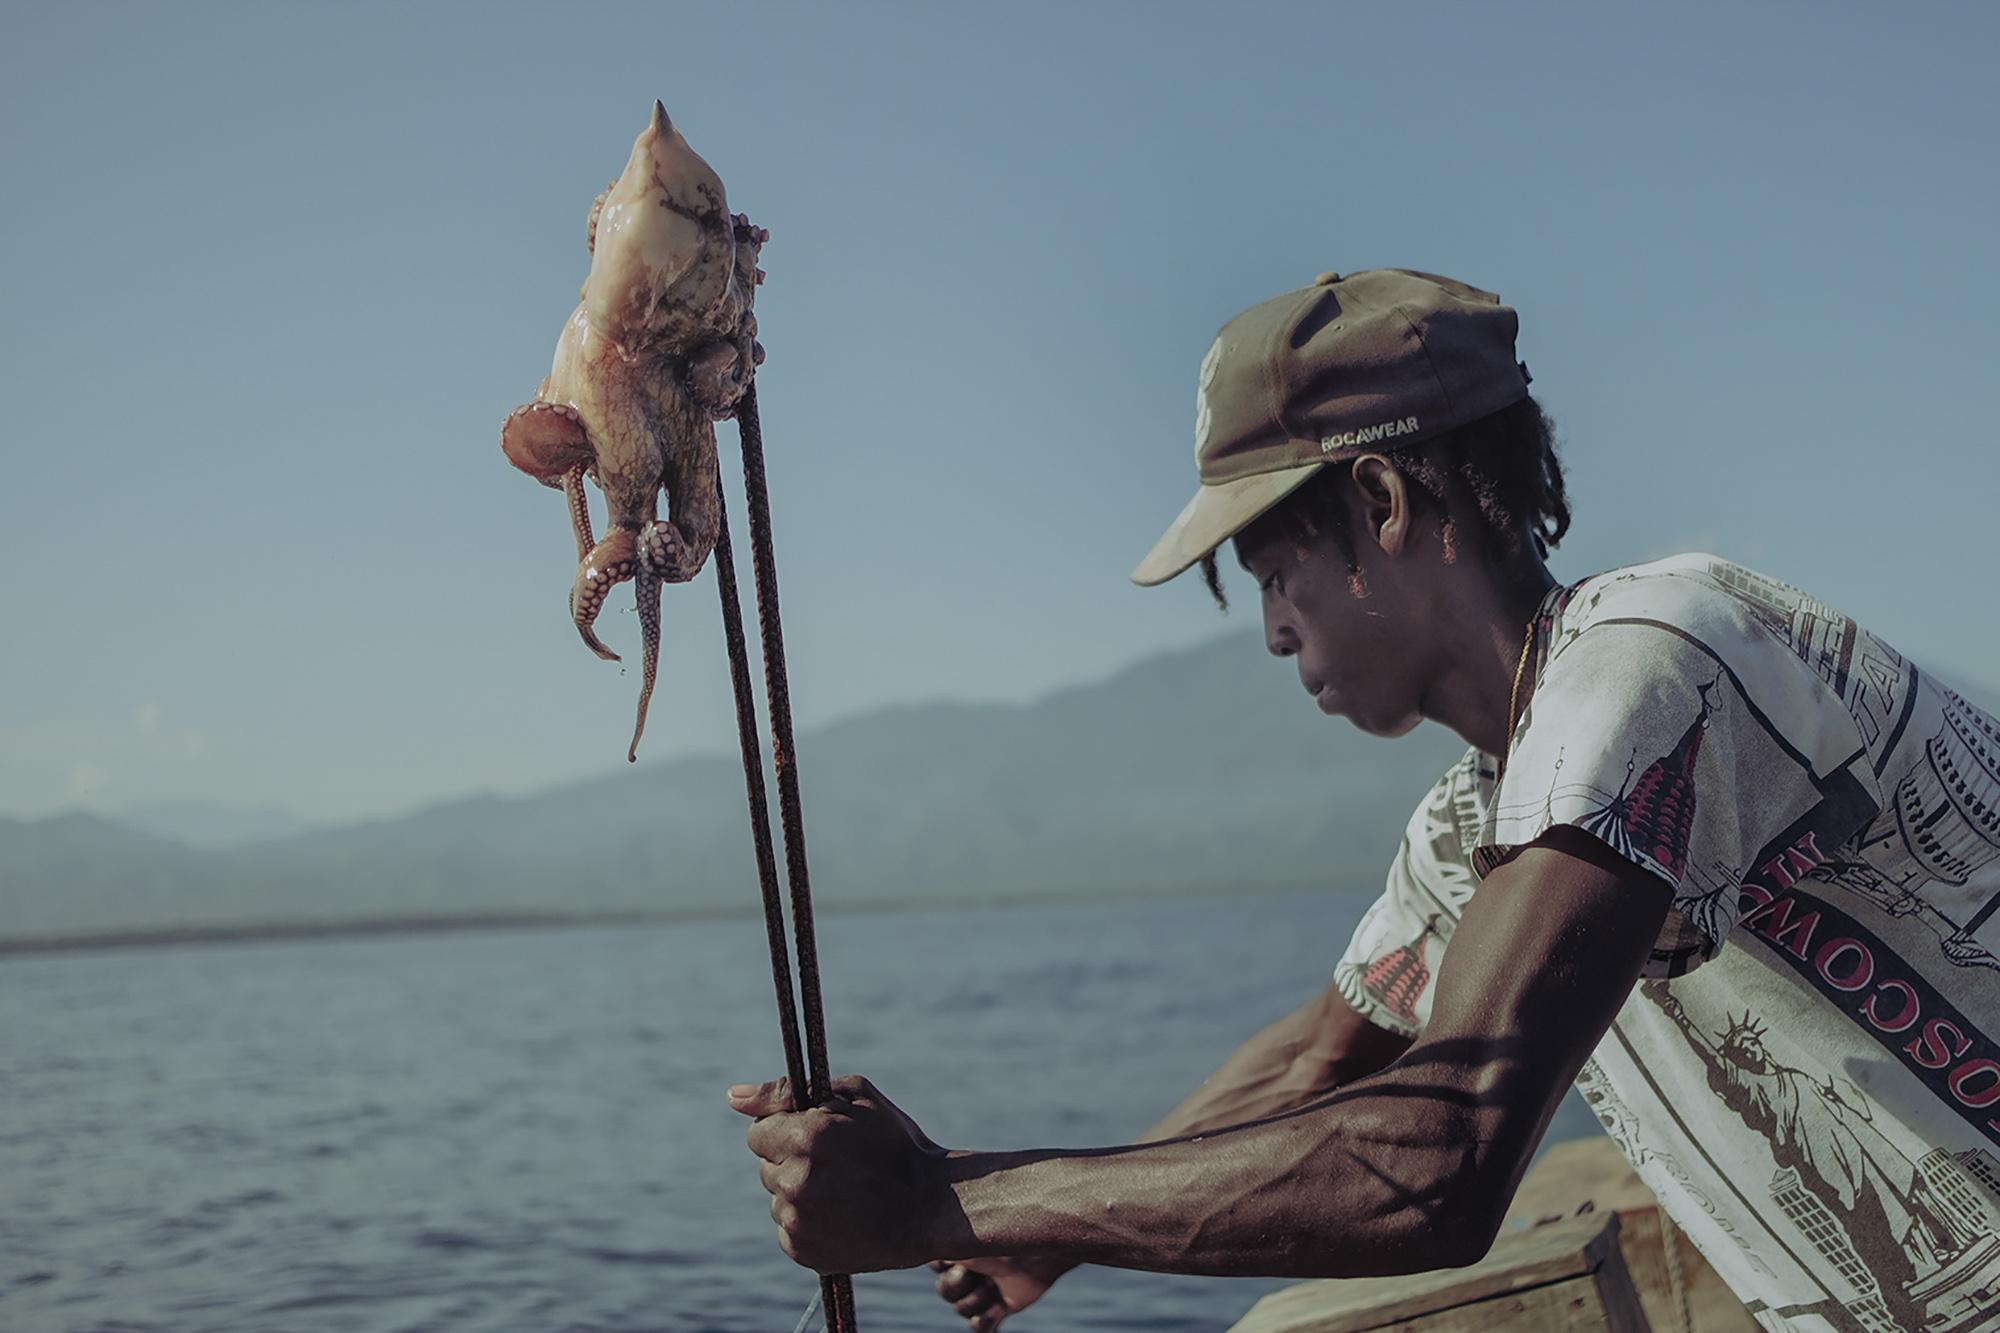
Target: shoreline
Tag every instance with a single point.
(367, 927)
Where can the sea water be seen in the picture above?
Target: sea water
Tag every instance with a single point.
(523, 1131)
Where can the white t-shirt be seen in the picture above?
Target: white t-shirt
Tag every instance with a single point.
(1808, 1075)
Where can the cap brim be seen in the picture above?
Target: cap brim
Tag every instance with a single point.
(1216, 514)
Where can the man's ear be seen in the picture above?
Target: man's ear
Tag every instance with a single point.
(1382, 496)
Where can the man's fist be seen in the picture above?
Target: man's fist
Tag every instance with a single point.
(855, 1186)
(986, 1291)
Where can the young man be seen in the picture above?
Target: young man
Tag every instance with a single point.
(1717, 855)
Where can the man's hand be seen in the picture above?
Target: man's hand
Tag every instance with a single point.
(855, 1186)
(986, 1291)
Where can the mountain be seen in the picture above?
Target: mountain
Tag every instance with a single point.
(1200, 771)
(212, 825)
(78, 872)
(1205, 770)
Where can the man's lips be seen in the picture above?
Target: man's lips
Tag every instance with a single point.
(1327, 698)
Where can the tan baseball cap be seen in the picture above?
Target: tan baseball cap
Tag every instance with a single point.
(1374, 360)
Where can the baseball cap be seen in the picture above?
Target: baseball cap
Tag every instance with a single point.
(1375, 360)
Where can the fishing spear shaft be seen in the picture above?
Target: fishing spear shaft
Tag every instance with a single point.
(760, 802)
(837, 1290)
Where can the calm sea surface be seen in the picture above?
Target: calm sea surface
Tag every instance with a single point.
(525, 1131)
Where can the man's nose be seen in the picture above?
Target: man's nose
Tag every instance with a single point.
(1278, 637)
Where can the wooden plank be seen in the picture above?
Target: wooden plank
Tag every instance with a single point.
(1623, 1312)
(1712, 1305)
(1593, 1171)
(1571, 1306)
(1570, 1174)
(1575, 1248)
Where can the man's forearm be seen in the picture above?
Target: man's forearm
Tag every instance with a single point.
(1290, 1063)
(1286, 1065)
(1262, 1077)
(1295, 1060)
(1405, 1170)
(1384, 1177)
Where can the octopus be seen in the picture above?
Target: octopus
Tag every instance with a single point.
(662, 345)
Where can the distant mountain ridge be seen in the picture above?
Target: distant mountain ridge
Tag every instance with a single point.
(211, 824)
(1200, 770)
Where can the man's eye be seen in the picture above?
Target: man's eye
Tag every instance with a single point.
(1270, 582)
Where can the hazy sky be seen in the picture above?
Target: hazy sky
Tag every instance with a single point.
(272, 275)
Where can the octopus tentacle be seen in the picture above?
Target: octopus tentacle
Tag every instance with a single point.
(546, 439)
(596, 211)
(579, 511)
(665, 554)
(647, 585)
(608, 564)
(691, 476)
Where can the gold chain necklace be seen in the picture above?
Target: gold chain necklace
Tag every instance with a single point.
(1514, 695)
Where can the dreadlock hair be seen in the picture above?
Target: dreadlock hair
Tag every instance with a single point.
(1505, 464)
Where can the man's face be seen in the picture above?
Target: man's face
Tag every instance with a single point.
(1358, 656)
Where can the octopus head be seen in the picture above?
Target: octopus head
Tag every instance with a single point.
(664, 248)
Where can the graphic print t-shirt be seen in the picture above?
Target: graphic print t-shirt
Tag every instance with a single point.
(1807, 1075)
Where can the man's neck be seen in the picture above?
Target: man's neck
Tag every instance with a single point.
(1484, 646)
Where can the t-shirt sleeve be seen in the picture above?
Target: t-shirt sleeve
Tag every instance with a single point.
(1386, 972)
(1676, 729)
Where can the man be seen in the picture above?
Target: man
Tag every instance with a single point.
(1717, 855)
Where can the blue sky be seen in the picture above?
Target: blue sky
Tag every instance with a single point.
(273, 274)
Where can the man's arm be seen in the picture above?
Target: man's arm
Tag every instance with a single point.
(1308, 1053)
(1408, 1169)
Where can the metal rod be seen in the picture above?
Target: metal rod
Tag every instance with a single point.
(838, 1289)
(760, 804)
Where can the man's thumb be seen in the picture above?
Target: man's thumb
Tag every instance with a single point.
(761, 1099)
